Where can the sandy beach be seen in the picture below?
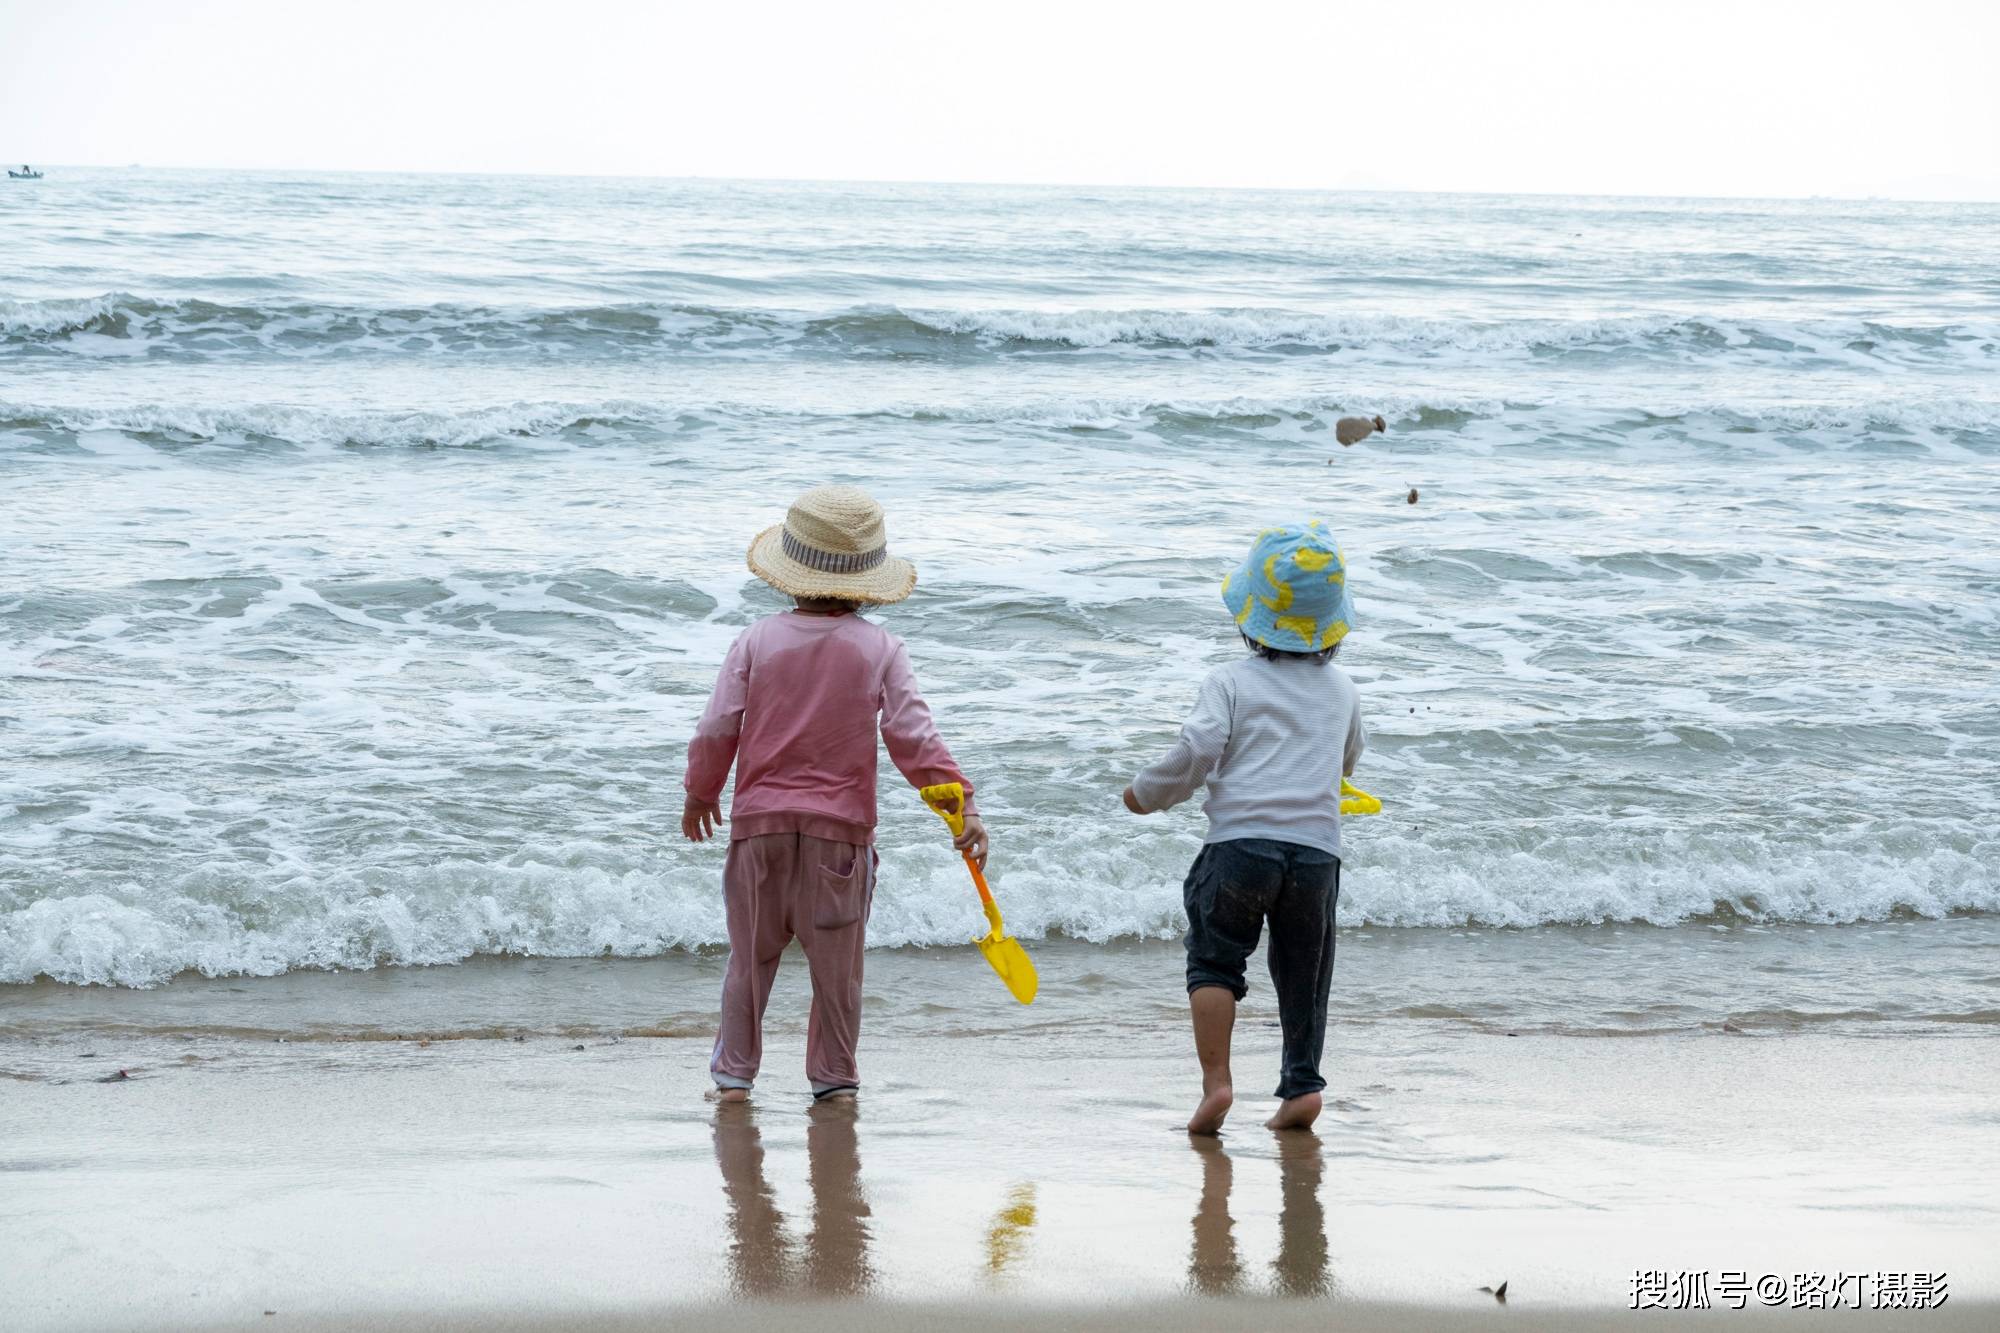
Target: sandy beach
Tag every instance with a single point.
(410, 1165)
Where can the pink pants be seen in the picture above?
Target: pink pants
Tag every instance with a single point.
(776, 887)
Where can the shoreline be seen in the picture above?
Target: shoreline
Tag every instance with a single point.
(1000, 1162)
(1617, 979)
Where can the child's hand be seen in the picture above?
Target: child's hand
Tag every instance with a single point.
(699, 819)
(1132, 803)
(973, 840)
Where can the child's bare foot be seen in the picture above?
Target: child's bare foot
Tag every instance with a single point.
(1295, 1112)
(729, 1095)
(1208, 1116)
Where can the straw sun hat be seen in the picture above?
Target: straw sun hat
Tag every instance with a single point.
(832, 544)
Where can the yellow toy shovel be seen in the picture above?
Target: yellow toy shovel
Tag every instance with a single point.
(1354, 801)
(1002, 950)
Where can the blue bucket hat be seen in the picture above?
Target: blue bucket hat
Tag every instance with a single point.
(1291, 593)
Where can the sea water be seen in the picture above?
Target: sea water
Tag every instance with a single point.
(368, 545)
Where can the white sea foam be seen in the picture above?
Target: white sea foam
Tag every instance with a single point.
(228, 920)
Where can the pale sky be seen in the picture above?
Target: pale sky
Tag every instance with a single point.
(1744, 97)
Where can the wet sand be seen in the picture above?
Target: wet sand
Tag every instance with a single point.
(1027, 1172)
(1185, 1316)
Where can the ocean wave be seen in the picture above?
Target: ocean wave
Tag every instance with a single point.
(28, 321)
(311, 428)
(1415, 421)
(118, 323)
(1677, 337)
(227, 921)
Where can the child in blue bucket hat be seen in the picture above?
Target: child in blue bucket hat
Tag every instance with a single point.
(1271, 736)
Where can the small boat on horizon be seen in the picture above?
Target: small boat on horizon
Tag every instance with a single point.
(26, 173)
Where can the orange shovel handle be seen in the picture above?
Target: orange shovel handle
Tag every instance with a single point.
(978, 880)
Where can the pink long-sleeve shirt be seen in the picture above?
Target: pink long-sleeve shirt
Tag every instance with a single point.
(796, 710)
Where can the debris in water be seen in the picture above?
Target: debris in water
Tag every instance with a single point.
(118, 1077)
(1353, 430)
(1411, 498)
(1498, 1293)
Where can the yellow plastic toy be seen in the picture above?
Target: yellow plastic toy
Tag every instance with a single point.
(1354, 801)
(1002, 950)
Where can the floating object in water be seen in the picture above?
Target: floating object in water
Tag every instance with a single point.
(1002, 950)
(119, 1077)
(1498, 1293)
(26, 173)
(1411, 498)
(1354, 801)
(1353, 430)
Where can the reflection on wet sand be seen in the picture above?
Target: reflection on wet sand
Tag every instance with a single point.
(1300, 1268)
(1214, 1266)
(1007, 1238)
(837, 1244)
(759, 1255)
(763, 1259)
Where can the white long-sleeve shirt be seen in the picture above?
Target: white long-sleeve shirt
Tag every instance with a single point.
(1271, 738)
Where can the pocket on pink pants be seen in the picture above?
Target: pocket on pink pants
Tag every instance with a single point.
(841, 897)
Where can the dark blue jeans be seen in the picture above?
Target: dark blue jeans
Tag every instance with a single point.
(1232, 890)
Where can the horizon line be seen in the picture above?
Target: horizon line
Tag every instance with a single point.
(1837, 196)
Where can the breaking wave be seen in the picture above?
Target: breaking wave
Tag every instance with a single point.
(564, 902)
(117, 323)
(1412, 420)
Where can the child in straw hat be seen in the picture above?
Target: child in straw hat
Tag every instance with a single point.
(796, 711)
(1271, 736)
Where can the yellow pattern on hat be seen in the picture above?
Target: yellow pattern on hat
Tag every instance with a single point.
(1312, 561)
(1304, 626)
(1284, 598)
